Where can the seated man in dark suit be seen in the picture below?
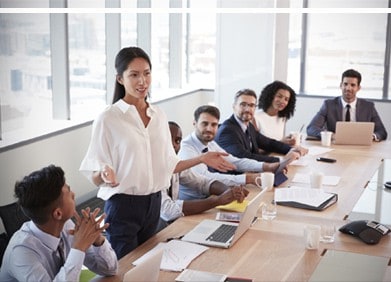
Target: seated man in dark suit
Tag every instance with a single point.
(347, 107)
(238, 136)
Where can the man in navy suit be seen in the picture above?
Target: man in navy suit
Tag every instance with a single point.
(238, 136)
(335, 109)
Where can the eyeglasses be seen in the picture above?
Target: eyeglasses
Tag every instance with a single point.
(244, 105)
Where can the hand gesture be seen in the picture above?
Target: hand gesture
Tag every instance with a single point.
(216, 160)
(88, 229)
(108, 176)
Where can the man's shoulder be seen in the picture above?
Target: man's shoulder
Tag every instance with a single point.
(365, 102)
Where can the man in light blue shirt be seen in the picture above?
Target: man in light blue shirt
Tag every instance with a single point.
(51, 247)
(173, 208)
(206, 119)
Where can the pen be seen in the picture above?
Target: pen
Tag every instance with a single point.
(301, 128)
(174, 238)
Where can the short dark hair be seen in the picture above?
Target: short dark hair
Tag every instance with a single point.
(38, 192)
(124, 57)
(269, 92)
(245, 91)
(212, 110)
(173, 123)
(352, 73)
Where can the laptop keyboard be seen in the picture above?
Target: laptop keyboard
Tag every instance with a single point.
(223, 233)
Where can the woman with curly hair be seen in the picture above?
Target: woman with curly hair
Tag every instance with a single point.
(276, 104)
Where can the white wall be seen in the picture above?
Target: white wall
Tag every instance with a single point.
(244, 52)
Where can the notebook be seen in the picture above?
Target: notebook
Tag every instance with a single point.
(146, 271)
(353, 133)
(206, 232)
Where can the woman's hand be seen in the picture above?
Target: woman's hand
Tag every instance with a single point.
(217, 161)
(108, 176)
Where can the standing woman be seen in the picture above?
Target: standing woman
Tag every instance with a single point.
(276, 105)
(130, 155)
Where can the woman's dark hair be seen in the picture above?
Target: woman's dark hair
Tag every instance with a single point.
(38, 192)
(269, 92)
(124, 57)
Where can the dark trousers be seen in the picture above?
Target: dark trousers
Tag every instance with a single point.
(133, 220)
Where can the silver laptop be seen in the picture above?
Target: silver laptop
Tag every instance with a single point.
(207, 232)
(148, 270)
(354, 133)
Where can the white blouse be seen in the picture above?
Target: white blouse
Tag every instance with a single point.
(270, 126)
(142, 157)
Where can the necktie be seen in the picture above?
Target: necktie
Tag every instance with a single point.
(249, 138)
(205, 150)
(347, 116)
(61, 251)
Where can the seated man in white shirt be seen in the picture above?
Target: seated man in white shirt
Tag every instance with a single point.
(50, 247)
(206, 120)
(172, 207)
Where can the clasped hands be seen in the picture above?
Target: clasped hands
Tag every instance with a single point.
(88, 229)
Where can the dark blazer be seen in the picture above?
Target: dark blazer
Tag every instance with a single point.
(231, 138)
(331, 112)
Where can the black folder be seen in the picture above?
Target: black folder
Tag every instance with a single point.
(331, 199)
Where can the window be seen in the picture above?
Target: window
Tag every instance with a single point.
(201, 45)
(87, 61)
(336, 42)
(26, 96)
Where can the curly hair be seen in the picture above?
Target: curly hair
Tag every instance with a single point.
(269, 92)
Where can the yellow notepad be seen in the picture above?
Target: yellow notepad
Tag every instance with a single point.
(234, 206)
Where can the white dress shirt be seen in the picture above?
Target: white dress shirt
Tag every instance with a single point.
(142, 157)
(352, 109)
(172, 207)
(191, 147)
(32, 255)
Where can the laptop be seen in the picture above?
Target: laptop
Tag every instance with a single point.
(354, 133)
(207, 231)
(146, 271)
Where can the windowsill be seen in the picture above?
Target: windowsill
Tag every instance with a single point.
(28, 134)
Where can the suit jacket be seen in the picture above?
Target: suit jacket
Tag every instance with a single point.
(331, 112)
(231, 138)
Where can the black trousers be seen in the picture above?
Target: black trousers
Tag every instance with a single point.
(133, 220)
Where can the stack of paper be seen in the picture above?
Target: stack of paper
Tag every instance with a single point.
(306, 198)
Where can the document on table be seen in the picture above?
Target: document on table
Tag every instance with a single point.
(177, 254)
(327, 179)
(308, 198)
(318, 150)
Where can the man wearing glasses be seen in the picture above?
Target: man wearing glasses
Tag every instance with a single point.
(238, 136)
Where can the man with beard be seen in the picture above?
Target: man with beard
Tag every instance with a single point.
(347, 107)
(206, 120)
(238, 136)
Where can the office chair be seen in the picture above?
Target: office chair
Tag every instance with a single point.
(12, 217)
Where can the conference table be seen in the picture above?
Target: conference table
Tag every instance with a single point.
(274, 250)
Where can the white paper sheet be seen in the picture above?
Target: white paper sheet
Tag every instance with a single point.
(327, 179)
(177, 254)
(317, 150)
